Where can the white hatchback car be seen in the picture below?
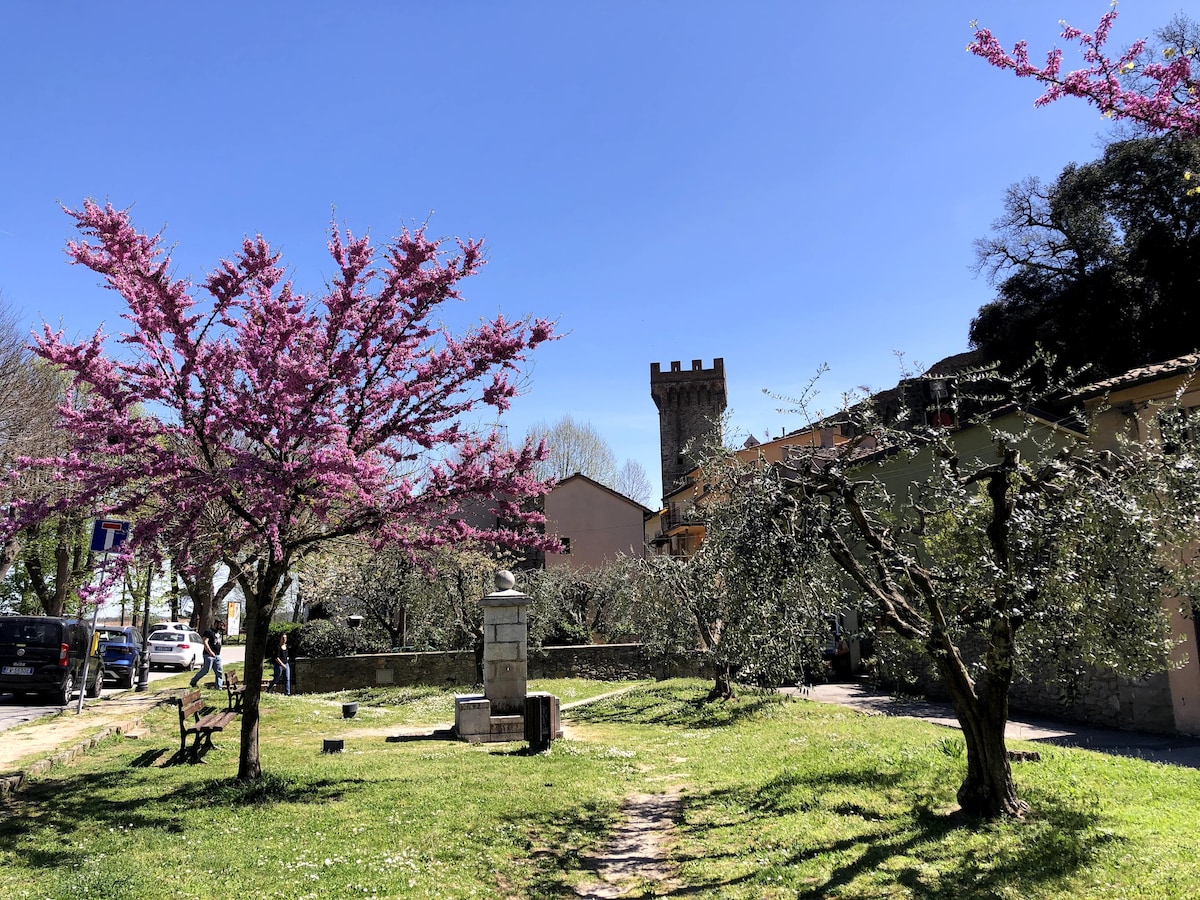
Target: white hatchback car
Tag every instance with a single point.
(176, 648)
(170, 626)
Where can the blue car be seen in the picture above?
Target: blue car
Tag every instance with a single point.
(121, 649)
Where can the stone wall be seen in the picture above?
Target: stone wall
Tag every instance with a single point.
(338, 673)
(1098, 698)
(599, 661)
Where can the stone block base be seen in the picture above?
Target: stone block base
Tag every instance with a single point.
(475, 724)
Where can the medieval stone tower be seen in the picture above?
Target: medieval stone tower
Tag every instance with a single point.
(690, 405)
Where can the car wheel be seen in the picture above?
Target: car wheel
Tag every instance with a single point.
(127, 682)
(191, 663)
(97, 686)
(68, 689)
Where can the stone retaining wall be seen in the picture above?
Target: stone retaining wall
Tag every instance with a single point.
(1098, 698)
(459, 667)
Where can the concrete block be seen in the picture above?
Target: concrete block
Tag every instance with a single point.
(385, 676)
(472, 717)
(508, 727)
(510, 634)
(502, 652)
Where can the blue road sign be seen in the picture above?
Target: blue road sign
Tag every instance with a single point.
(108, 535)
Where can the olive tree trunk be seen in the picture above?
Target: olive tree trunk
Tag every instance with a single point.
(988, 790)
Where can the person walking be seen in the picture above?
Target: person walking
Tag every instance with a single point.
(283, 670)
(212, 657)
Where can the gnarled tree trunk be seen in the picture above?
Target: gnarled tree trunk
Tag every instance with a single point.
(988, 789)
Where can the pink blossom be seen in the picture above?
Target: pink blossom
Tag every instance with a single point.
(1164, 98)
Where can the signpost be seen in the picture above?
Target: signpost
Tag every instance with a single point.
(107, 537)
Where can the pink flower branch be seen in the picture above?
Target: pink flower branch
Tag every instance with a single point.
(1159, 96)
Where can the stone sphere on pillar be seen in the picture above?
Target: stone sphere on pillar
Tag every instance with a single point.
(505, 580)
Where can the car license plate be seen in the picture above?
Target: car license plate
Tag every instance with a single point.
(16, 670)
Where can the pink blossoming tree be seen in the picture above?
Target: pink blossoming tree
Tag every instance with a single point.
(301, 420)
(1159, 93)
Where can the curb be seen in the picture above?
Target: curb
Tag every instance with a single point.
(14, 783)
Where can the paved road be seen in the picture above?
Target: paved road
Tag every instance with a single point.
(15, 711)
(1179, 750)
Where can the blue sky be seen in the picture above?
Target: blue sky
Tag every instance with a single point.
(781, 184)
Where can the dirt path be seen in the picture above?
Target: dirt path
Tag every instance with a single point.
(635, 856)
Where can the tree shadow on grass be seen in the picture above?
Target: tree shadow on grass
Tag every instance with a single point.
(931, 854)
(686, 707)
(558, 843)
(58, 806)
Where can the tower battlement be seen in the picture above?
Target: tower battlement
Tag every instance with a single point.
(690, 405)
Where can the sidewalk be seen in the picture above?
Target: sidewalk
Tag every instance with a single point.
(27, 751)
(1164, 748)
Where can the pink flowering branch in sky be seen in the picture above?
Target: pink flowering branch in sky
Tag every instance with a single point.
(1160, 94)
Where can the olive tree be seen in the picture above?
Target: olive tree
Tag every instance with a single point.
(751, 600)
(1030, 543)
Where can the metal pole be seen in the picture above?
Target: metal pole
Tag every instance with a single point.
(143, 682)
(91, 641)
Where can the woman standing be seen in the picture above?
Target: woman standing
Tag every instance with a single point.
(283, 671)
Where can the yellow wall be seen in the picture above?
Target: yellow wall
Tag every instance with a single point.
(1133, 411)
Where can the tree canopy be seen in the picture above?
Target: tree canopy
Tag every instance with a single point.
(1102, 267)
(985, 554)
(295, 420)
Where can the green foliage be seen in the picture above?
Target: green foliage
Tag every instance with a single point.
(1102, 268)
(323, 637)
(660, 609)
(568, 606)
(756, 597)
(952, 747)
(426, 601)
(1010, 546)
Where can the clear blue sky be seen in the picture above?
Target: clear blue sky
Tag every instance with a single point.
(779, 183)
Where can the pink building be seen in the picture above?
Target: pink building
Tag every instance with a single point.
(594, 524)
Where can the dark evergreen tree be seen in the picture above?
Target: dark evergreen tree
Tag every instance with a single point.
(1102, 267)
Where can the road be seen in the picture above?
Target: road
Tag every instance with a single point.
(14, 711)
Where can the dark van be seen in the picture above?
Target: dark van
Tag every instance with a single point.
(44, 655)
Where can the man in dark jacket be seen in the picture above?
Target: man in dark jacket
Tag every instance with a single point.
(212, 657)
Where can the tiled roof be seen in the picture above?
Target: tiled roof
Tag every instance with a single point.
(1141, 374)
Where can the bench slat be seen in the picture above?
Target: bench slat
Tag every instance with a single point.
(190, 705)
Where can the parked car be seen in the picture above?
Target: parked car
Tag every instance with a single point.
(170, 626)
(45, 655)
(121, 647)
(176, 648)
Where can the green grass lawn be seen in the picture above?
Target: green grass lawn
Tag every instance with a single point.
(779, 798)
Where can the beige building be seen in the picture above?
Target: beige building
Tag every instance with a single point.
(1130, 404)
(593, 524)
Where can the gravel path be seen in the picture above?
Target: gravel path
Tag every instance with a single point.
(636, 853)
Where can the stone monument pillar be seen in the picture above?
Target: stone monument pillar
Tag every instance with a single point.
(505, 647)
(499, 714)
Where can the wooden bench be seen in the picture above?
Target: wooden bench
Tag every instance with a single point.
(192, 723)
(236, 689)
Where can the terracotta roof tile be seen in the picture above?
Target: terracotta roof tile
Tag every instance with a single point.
(1141, 374)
